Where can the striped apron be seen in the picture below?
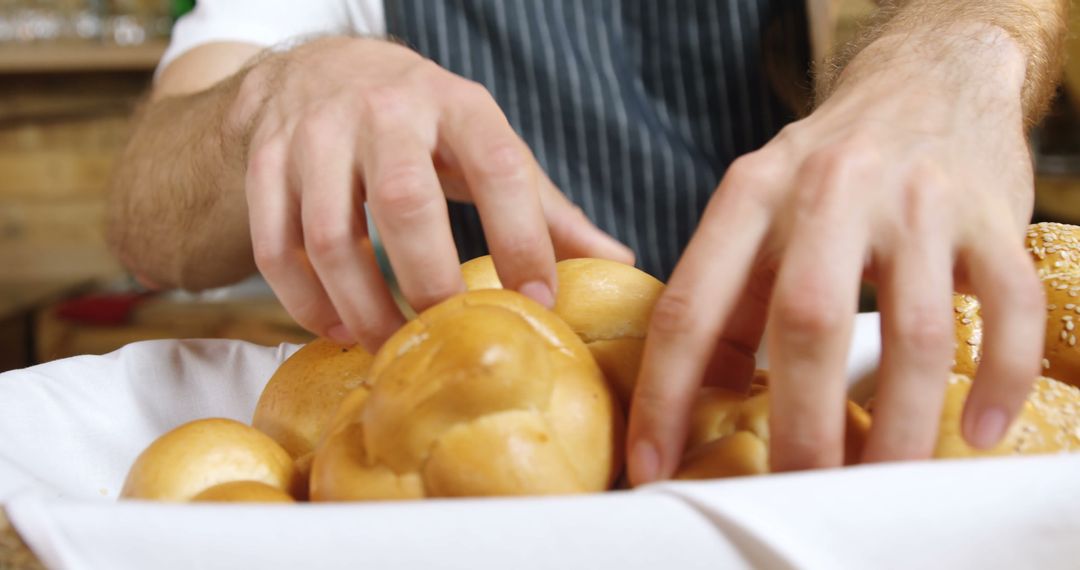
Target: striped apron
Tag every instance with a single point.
(634, 108)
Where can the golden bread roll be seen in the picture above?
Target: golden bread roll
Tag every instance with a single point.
(1061, 349)
(1054, 247)
(201, 454)
(608, 305)
(303, 393)
(1055, 251)
(968, 338)
(487, 393)
(243, 492)
(729, 434)
(479, 273)
(1048, 423)
(1061, 353)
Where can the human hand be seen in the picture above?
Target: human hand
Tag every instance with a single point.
(341, 122)
(914, 174)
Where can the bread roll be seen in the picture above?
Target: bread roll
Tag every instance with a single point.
(729, 433)
(243, 492)
(1061, 353)
(487, 393)
(1061, 349)
(303, 393)
(1054, 247)
(608, 305)
(201, 454)
(1055, 251)
(1049, 422)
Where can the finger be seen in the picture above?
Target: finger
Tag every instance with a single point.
(915, 297)
(733, 364)
(1013, 311)
(810, 322)
(689, 316)
(505, 183)
(573, 235)
(335, 237)
(278, 247)
(409, 209)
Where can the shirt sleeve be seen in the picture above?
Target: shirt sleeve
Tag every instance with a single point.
(271, 23)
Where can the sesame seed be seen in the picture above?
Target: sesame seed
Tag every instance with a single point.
(1046, 363)
(1072, 340)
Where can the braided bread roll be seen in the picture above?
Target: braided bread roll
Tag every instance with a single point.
(608, 305)
(487, 393)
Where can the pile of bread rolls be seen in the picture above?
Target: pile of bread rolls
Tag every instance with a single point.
(488, 393)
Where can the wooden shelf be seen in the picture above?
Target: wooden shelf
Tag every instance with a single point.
(69, 57)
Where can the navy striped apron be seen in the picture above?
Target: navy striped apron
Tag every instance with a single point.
(634, 108)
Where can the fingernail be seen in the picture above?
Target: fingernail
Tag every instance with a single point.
(644, 463)
(341, 335)
(990, 427)
(538, 291)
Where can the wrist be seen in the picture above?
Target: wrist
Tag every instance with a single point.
(960, 60)
(250, 88)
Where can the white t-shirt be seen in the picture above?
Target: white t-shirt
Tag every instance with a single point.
(272, 22)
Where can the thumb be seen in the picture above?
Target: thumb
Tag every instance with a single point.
(573, 234)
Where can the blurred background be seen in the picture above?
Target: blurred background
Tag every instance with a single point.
(71, 74)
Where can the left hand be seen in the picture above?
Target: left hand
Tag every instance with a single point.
(914, 174)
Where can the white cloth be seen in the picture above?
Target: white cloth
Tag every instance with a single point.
(271, 22)
(70, 429)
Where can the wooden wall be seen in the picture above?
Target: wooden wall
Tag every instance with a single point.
(59, 134)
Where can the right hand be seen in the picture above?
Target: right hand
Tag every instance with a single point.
(341, 122)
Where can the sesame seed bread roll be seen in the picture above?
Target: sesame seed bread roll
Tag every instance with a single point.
(486, 393)
(968, 334)
(198, 455)
(1054, 247)
(729, 434)
(1049, 422)
(608, 305)
(1061, 355)
(1055, 251)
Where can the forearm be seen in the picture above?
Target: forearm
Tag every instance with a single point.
(1035, 27)
(177, 213)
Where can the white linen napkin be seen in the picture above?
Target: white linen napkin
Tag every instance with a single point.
(70, 429)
